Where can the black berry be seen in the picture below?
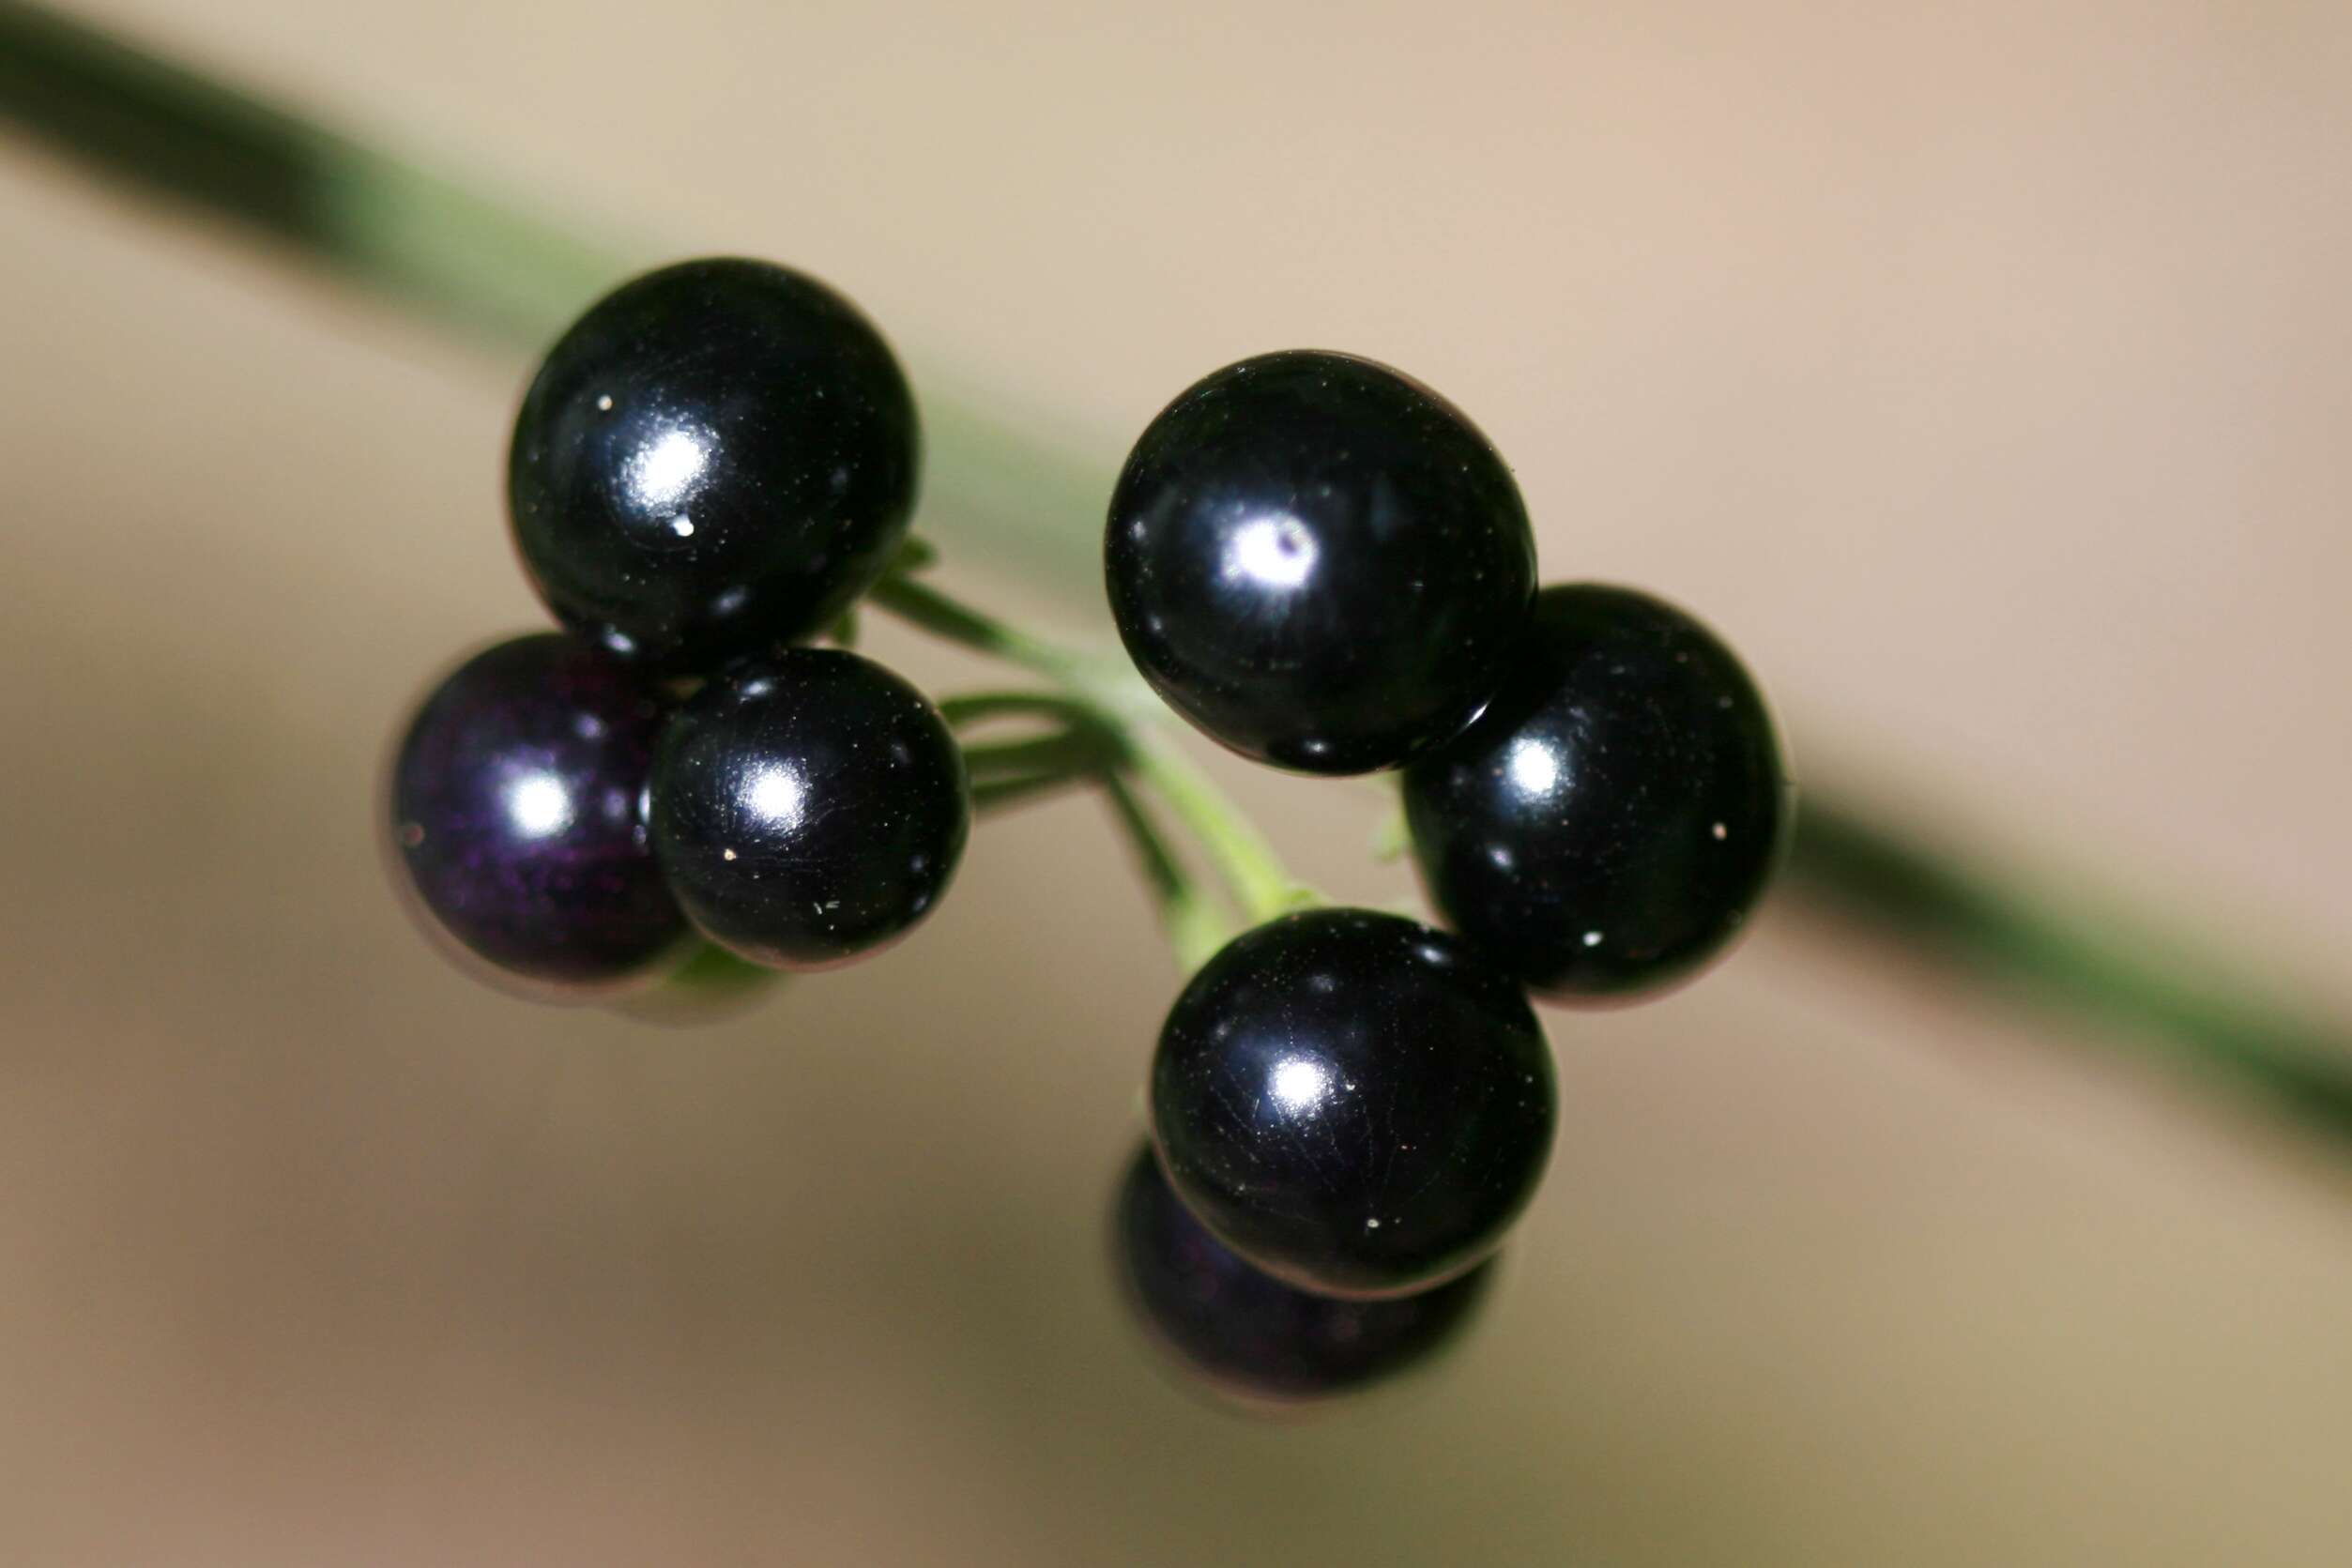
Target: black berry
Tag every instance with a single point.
(516, 816)
(1353, 1101)
(716, 460)
(1318, 561)
(1246, 1335)
(809, 808)
(1609, 822)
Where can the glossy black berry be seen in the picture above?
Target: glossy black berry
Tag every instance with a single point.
(1610, 819)
(716, 460)
(809, 808)
(1318, 561)
(1246, 1335)
(1353, 1101)
(516, 814)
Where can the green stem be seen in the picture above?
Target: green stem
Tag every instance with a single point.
(971, 707)
(919, 605)
(992, 795)
(2070, 956)
(1086, 749)
(709, 984)
(1194, 927)
(1075, 754)
(485, 263)
(1243, 857)
(1245, 862)
(489, 267)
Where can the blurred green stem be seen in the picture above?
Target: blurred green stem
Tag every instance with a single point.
(1096, 748)
(491, 267)
(2069, 956)
(1112, 697)
(1116, 712)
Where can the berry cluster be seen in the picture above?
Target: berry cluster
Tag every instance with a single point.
(1324, 566)
(1320, 563)
(708, 469)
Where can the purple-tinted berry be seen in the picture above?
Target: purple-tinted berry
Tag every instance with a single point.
(517, 815)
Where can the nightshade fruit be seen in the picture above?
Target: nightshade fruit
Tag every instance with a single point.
(1320, 562)
(809, 808)
(1610, 821)
(1356, 1103)
(716, 460)
(1247, 1338)
(517, 817)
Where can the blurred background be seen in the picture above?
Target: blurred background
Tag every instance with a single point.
(1983, 374)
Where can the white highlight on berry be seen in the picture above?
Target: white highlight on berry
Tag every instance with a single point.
(775, 795)
(659, 474)
(1534, 767)
(538, 805)
(1300, 1082)
(1277, 551)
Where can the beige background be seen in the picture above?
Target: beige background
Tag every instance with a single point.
(1985, 376)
